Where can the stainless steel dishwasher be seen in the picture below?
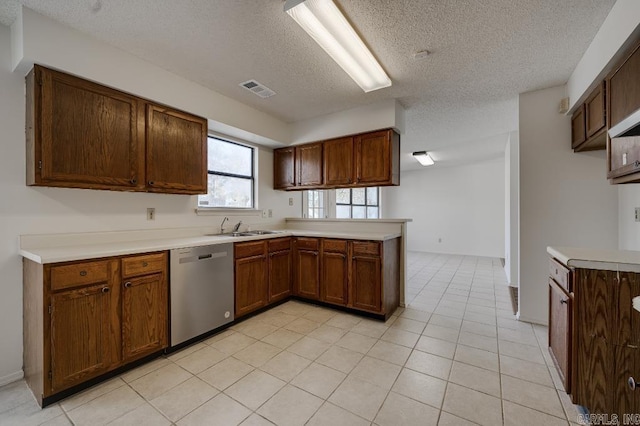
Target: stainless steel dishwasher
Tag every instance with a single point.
(201, 290)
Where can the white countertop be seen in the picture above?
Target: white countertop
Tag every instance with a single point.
(65, 253)
(588, 258)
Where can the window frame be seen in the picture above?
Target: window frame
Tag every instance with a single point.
(251, 178)
(351, 204)
(330, 203)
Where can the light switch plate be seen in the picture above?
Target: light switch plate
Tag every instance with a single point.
(636, 303)
(637, 214)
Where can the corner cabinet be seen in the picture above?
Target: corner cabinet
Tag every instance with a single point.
(594, 336)
(80, 134)
(366, 159)
(84, 319)
(588, 123)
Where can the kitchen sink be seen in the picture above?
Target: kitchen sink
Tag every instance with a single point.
(244, 234)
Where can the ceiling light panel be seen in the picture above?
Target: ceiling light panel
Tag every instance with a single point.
(423, 158)
(324, 22)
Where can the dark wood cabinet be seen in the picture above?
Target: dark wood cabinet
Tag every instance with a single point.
(309, 165)
(176, 149)
(84, 319)
(560, 331)
(578, 128)
(80, 134)
(144, 305)
(306, 260)
(377, 158)
(366, 278)
(284, 170)
(593, 338)
(280, 267)
(588, 123)
(251, 279)
(335, 272)
(339, 166)
(367, 159)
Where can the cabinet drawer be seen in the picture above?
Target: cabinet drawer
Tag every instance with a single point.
(371, 248)
(79, 274)
(339, 246)
(252, 248)
(142, 265)
(279, 244)
(560, 274)
(308, 243)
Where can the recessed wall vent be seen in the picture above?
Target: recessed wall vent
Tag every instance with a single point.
(258, 88)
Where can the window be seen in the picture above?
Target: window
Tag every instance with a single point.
(357, 203)
(313, 204)
(231, 176)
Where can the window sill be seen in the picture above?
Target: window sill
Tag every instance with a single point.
(226, 211)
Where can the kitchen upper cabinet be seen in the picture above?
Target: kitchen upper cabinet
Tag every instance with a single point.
(339, 162)
(378, 158)
(335, 272)
(306, 262)
(309, 165)
(144, 305)
(588, 123)
(284, 170)
(280, 267)
(176, 151)
(367, 159)
(83, 319)
(578, 128)
(251, 277)
(80, 134)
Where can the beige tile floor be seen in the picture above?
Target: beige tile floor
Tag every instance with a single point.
(455, 356)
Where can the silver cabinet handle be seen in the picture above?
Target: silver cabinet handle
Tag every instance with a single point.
(105, 289)
(632, 383)
(83, 273)
(565, 301)
(127, 284)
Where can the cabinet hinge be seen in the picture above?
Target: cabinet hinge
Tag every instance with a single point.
(50, 312)
(40, 164)
(50, 375)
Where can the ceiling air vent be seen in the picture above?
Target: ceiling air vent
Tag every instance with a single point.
(258, 88)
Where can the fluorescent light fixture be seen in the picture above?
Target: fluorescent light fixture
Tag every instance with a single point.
(423, 158)
(324, 22)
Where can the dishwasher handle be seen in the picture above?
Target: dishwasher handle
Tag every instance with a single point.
(208, 256)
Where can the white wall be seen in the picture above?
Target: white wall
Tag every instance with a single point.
(30, 210)
(511, 204)
(628, 228)
(464, 206)
(565, 198)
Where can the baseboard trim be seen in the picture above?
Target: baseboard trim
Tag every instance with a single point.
(10, 378)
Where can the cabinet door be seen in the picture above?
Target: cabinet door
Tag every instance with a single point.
(339, 161)
(595, 111)
(560, 311)
(279, 275)
(309, 164)
(626, 382)
(334, 278)
(623, 89)
(593, 304)
(81, 134)
(626, 286)
(144, 316)
(366, 283)
(176, 151)
(284, 168)
(374, 158)
(251, 284)
(578, 128)
(80, 334)
(307, 269)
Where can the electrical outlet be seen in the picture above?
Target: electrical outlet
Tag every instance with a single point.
(637, 214)
(290, 201)
(264, 213)
(151, 213)
(270, 213)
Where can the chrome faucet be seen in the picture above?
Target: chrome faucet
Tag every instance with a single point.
(237, 226)
(222, 224)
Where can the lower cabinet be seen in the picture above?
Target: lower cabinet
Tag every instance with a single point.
(83, 319)
(251, 286)
(306, 263)
(279, 269)
(560, 331)
(335, 272)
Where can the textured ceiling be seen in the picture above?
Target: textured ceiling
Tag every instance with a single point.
(484, 53)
